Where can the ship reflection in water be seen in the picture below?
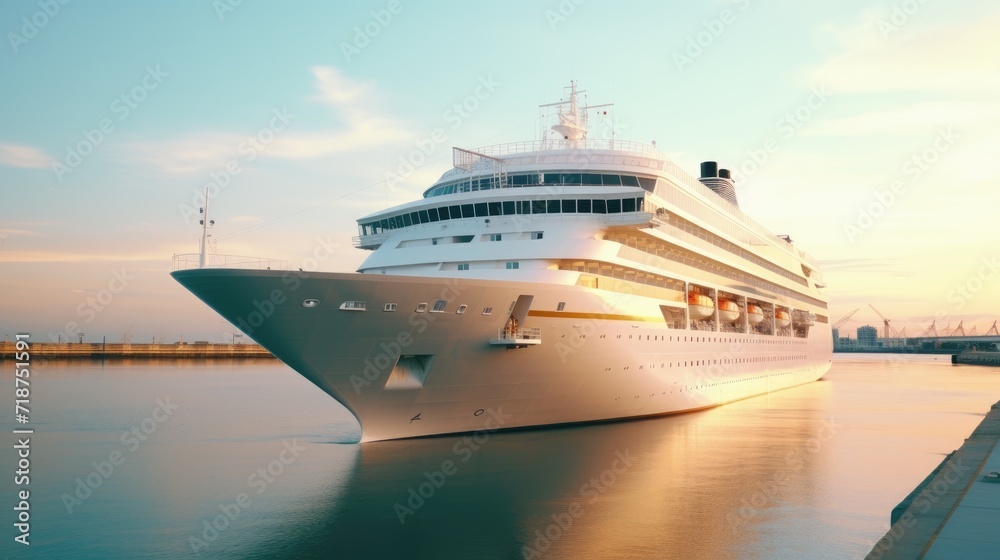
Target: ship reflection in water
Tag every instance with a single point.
(253, 464)
(687, 486)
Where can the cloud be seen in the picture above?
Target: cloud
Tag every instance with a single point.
(17, 155)
(909, 119)
(362, 126)
(955, 58)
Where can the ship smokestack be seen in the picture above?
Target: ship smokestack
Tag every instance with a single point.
(719, 180)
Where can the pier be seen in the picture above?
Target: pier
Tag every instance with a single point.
(953, 514)
(102, 350)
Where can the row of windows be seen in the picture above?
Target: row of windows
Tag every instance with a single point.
(504, 208)
(542, 179)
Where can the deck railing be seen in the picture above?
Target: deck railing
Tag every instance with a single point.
(188, 261)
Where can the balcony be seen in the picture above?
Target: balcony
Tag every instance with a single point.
(517, 339)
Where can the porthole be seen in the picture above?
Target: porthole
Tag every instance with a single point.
(310, 303)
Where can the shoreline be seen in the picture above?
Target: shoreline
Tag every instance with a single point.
(101, 350)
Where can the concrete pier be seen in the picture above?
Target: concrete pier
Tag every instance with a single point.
(954, 513)
(105, 351)
(974, 357)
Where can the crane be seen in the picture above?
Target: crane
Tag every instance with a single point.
(958, 329)
(931, 329)
(844, 319)
(886, 322)
(993, 330)
(972, 332)
(902, 333)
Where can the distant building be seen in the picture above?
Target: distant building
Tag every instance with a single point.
(836, 335)
(867, 336)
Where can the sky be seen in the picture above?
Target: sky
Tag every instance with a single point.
(867, 131)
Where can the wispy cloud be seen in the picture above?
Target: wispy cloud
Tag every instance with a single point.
(908, 119)
(956, 58)
(19, 155)
(362, 125)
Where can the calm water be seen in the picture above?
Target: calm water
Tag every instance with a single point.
(810, 472)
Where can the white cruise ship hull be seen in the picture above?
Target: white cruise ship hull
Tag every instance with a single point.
(409, 373)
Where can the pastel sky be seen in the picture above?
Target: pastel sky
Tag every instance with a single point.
(868, 131)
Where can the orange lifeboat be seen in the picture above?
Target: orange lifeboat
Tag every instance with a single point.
(782, 318)
(754, 314)
(700, 306)
(729, 312)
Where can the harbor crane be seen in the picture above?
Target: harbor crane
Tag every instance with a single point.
(993, 330)
(886, 322)
(931, 330)
(959, 330)
(844, 319)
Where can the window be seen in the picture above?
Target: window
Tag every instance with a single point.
(439, 306)
(421, 307)
(467, 211)
(561, 306)
(537, 206)
(496, 236)
(389, 307)
(628, 205)
(463, 266)
(481, 210)
(569, 206)
(353, 306)
(536, 234)
(496, 209)
(444, 213)
(487, 311)
(600, 206)
(508, 207)
(461, 309)
(553, 206)
(614, 206)
(583, 206)
(512, 265)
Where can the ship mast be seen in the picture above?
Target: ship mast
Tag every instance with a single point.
(572, 125)
(205, 224)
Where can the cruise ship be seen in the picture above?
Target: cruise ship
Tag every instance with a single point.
(540, 283)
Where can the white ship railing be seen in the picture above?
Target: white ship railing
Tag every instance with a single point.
(521, 337)
(188, 261)
(627, 146)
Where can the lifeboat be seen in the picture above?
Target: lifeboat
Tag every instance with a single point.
(782, 318)
(700, 306)
(729, 312)
(754, 314)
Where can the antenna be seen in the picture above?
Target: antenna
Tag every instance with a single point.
(205, 224)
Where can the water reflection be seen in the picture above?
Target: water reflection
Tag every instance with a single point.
(671, 487)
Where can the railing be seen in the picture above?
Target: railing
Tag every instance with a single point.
(188, 261)
(522, 334)
(513, 148)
